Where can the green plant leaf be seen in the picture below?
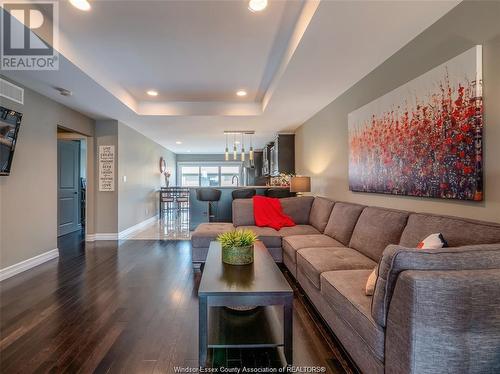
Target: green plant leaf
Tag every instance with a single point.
(237, 238)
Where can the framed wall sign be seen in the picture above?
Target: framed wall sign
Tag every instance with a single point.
(107, 168)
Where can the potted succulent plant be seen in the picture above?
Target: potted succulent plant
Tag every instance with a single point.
(237, 246)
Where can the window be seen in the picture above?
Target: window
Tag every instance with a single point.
(227, 173)
(190, 176)
(208, 174)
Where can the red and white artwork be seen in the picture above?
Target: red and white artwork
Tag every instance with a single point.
(424, 138)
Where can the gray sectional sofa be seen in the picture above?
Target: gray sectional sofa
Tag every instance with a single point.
(433, 311)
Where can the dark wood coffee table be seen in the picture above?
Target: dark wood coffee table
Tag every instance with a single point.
(259, 284)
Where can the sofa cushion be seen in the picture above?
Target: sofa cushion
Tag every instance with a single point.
(291, 244)
(243, 212)
(207, 232)
(270, 237)
(297, 208)
(342, 221)
(344, 291)
(376, 229)
(314, 261)
(298, 230)
(397, 259)
(456, 231)
(320, 212)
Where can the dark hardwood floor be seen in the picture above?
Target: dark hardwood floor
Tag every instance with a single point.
(118, 307)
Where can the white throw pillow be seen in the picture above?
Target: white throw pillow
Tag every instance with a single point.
(433, 241)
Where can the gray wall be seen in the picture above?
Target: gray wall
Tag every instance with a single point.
(28, 197)
(321, 142)
(139, 160)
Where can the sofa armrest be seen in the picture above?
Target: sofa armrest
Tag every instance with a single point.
(444, 322)
(397, 259)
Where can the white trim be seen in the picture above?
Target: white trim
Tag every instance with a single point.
(305, 17)
(122, 234)
(133, 229)
(101, 236)
(12, 270)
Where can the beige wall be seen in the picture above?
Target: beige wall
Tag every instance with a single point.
(138, 161)
(106, 203)
(321, 142)
(28, 196)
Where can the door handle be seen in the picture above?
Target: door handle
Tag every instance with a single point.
(76, 193)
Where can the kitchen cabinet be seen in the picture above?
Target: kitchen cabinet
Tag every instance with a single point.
(282, 155)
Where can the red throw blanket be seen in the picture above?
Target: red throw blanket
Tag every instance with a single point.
(268, 212)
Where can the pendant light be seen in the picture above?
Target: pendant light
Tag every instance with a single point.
(242, 147)
(226, 153)
(250, 154)
(235, 151)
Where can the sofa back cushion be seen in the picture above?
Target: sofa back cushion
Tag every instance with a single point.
(297, 208)
(375, 229)
(342, 221)
(456, 231)
(397, 259)
(320, 213)
(243, 212)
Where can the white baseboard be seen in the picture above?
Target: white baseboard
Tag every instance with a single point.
(122, 234)
(101, 236)
(12, 270)
(134, 229)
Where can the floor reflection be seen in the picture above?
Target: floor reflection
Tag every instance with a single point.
(173, 225)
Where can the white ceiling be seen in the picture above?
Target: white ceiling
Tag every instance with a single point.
(294, 59)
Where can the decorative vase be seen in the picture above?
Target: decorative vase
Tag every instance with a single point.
(237, 255)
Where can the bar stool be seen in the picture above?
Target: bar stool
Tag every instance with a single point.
(278, 193)
(167, 200)
(182, 205)
(243, 193)
(212, 196)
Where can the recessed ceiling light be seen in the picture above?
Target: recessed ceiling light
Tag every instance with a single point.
(237, 142)
(188, 151)
(152, 93)
(178, 142)
(257, 5)
(241, 93)
(80, 4)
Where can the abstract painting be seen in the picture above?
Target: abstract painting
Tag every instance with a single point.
(423, 138)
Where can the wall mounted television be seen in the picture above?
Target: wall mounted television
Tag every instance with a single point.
(10, 121)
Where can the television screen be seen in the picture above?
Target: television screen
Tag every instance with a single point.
(10, 121)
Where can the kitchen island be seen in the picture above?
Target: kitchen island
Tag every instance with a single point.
(198, 210)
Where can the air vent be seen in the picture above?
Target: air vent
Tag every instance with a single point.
(11, 91)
